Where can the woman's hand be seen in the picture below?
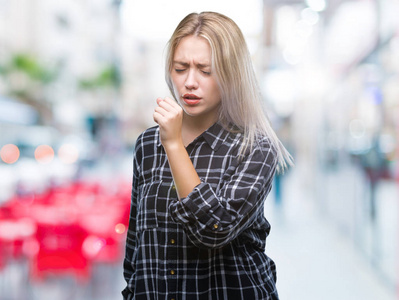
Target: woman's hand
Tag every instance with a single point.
(169, 116)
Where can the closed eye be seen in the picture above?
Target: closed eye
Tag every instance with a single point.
(179, 70)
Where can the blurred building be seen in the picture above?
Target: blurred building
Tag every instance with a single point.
(77, 40)
(331, 71)
(75, 78)
(59, 78)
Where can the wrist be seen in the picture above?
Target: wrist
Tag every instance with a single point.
(173, 145)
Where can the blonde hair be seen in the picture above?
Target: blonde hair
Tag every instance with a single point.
(241, 100)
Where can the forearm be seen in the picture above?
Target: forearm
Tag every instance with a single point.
(184, 174)
(214, 215)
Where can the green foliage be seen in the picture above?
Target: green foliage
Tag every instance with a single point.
(107, 78)
(29, 65)
(30, 87)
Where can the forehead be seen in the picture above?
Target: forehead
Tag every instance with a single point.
(193, 49)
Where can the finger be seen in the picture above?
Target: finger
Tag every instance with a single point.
(174, 105)
(158, 118)
(164, 115)
(172, 102)
(159, 100)
(167, 106)
(162, 111)
(155, 116)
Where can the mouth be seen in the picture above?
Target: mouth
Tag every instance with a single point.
(191, 99)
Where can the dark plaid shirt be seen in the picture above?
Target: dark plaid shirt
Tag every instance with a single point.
(211, 244)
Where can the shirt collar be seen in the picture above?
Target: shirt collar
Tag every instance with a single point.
(215, 136)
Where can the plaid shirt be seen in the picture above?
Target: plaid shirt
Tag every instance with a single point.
(211, 244)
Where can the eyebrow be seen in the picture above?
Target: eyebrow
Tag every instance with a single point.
(185, 64)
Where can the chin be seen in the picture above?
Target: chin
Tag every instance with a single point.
(191, 113)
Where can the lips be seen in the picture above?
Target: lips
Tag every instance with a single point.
(191, 99)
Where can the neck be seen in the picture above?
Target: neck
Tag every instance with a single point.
(198, 124)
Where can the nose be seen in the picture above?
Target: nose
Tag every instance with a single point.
(191, 80)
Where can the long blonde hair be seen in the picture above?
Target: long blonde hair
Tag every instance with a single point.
(241, 100)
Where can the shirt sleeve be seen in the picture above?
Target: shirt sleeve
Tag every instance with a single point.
(128, 266)
(213, 219)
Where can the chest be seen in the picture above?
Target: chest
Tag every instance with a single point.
(213, 167)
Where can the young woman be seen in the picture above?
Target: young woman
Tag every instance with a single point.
(197, 227)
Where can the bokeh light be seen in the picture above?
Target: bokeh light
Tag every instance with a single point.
(120, 228)
(44, 154)
(68, 153)
(92, 245)
(9, 153)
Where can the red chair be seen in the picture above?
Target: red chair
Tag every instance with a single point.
(60, 252)
(106, 233)
(14, 233)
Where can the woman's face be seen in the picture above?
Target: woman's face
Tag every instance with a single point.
(193, 79)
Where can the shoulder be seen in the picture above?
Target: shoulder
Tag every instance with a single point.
(260, 149)
(150, 135)
(146, 142)
(265, 149)
(264, 143)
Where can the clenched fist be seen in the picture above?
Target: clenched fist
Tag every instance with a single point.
(169, 116)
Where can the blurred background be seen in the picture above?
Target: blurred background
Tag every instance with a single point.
(78, 83)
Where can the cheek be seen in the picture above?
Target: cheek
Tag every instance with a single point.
(215, 89)
(177, 78)
(174, 79)
(176, 92)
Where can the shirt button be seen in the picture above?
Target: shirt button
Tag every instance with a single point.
(215, 226)
(172, 272)
(172, 241)
(173, 187)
